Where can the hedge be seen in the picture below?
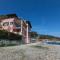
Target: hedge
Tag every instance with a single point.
(7, 38)
(8, 35)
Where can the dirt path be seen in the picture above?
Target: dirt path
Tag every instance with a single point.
(30, 52)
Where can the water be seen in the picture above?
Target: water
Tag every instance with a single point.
(53, 43)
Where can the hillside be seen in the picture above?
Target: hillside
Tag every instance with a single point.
(49, 37)
(41, 36)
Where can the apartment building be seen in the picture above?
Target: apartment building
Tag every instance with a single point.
(12, 23)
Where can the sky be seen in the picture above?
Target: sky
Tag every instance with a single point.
(44, 15)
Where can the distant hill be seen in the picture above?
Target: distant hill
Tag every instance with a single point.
(41, 36)
(49, 37)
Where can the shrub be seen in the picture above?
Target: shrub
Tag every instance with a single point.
(7, 38)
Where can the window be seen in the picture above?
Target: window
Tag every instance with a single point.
(0, 24)
(17, 25)
(11, 23)
(5, 23)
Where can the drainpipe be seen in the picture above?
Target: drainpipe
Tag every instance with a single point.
(21, 26)
(21, 33)
(27, 39)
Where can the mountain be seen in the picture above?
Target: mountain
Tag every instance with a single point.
(49, 37)
(41, 36)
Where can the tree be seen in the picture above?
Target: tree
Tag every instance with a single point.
(34, 34)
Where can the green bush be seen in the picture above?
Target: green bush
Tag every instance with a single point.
(8, 35)
(6, 38)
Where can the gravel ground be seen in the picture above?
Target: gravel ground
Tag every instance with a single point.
(30, 52)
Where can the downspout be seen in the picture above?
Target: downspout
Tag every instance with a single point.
(27, 39)
(21, 26)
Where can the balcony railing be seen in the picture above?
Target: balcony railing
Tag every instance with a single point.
(16, 27)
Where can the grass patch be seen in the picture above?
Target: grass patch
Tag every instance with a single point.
(40, 47)
(4, 45)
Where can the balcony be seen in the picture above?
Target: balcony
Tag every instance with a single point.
(17, 27)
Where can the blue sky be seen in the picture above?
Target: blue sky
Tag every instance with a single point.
(43, 14)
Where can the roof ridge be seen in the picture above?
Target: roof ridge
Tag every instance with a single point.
(7, 16)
